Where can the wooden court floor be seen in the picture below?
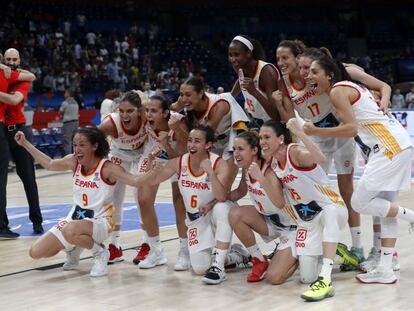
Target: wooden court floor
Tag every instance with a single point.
(26, 284)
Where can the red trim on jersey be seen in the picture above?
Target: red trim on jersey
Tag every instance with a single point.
(292, 84)
(103, 177)
(256, 70)
(189, 167)
(353, 87)
(262, 163)
(212, 106)
(216, 163)
(286, 88)
(75, 168)
(275, 69)
(205, 113)
(93, 171)
(180, 166)
(116, 135)
(303, 169)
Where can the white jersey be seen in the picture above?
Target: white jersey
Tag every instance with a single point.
(260, 199)
(318, 109)
(225, 133)
(196, 191)
(92, 191)
(252, 105)
(307, 189)
(377, 132)
(124, 146)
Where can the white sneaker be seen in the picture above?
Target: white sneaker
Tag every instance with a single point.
(374, 258)
(183, 261)
(154, 258)
(214, 276)
(378, 275)
(72, 258)
(100, 263)
(237, 255)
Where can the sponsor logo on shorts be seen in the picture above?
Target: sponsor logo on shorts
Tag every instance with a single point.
(192, 237)
(301, 237)
(61, 224)
(347, 163)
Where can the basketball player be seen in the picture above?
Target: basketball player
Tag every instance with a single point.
(167, 133)
(262, 216)
(89, 221)
(388, 150)
(319, 210)
(127, 131)
(203, 184)
(257, 79)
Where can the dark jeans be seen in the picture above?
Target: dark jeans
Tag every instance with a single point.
(4, 164)
(25, 170)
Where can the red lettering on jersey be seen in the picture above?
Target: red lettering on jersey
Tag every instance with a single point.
(288, 178)
(86, 184)
(195, 185)
(301, 235)
(304, 98)
(256, 191)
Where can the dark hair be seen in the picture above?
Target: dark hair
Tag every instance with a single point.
(71, 92)
(210, 136)
(198, 87)
(312, 53)
(333, 68)
(258, 52)
(253, 140)
(133, 98)
(280, 129)
(296, 46)
(94, 136)
(112, 94)
(165, 103)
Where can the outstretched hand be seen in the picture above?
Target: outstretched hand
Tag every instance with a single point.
(20, 138)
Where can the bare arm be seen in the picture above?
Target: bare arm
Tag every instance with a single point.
(64, 164)
(240, 191)
(218, 178)
(11, 99)
(160, 173)
(341, 98)
(311, 154)
(270, 183)
(107, 127)
(217, 113)
(26, 76)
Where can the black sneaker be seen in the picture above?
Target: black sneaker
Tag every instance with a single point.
(214, 276)
(6, 233)
(37, 228)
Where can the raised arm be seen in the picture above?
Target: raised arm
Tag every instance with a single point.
(217, 113)
(240, 191)
(107, 127)
(270, 184)
(64, 164)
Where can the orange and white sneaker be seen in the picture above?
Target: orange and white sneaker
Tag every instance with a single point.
(259, 270)
(143, 251)
(115, 254)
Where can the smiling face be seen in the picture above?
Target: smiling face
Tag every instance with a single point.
(319, 79)
(130, 116)
(269, 142)
(83, 150)
(286, 60)
(196, 143)
(238, 55)
(154, 113)
(12, 58)
(190, 97)
(243, 153)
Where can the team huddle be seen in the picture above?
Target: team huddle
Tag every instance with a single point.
(298, 118)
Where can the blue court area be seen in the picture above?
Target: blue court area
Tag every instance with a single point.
(20, 222)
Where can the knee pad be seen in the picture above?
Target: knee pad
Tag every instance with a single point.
(220, 218)
(201, 261)
(389, 227)
(370, 203)
(309, 267)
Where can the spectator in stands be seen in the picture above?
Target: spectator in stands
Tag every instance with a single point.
(147, 90)
(70, 113)
(5, 81)
(15, 121)
(409, 98)
(107, 105)
(397, 100)
(220, 90)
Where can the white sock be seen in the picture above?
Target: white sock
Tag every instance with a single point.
(356, 236)
(256, 252)
(115, 237)
(144, 236)
(386, 257)
(97, 248)
(219, 257)
(184, 244)
(377, 240)
(154, 242)
(326, 269)
(406, 214)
